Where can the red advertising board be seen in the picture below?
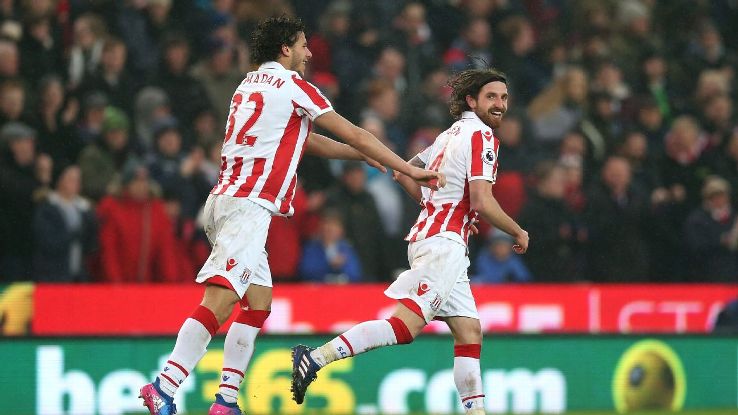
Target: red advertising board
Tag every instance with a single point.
(160, 309)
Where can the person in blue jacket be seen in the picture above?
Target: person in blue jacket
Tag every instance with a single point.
(330, 257)
(497, 264)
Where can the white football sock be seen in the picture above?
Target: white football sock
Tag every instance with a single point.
(361, 338)
(468, 378)
(239, 346)
(192, 341)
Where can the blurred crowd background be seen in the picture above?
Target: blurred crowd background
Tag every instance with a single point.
(619, 150)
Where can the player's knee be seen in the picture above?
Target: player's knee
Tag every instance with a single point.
(403, 333)
(470, 333)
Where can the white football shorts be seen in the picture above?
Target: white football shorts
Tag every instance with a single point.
(237, 229)
(437, 280)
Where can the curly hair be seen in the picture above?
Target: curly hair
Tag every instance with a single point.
(470, 82)
(271, 34)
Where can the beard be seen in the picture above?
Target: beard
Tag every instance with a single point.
(490, 120)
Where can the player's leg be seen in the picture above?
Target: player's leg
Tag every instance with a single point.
(460, 313)
(190, 347)
(401, 328)
(239, 343)
(467, 334)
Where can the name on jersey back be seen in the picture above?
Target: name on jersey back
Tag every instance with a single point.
(263, 78)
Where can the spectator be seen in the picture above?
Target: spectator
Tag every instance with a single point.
(635, 149)
(90, 124)
(709, 52)
(471, 50)
(111, 78)
(362, 222)
(650, 120)
(635, 37)
(330, 258)
(185, 91)
(205, 128)
(384, 103)
(718, 120)
(497, 264)
(687, 160)
(518, 57)
(219, 76)
(86, 51)
(656, 84)
(712, 235)
(65, 232)
(151, 106)
(287, 236)
(101, 162)
(556, 256)
(414, 38)
(137, 242)
(602, 126)
(12, 102)
(55, 117)
(426, 106)
(23, 174)
(170, 166)
(41, 49)
(559, 108)
(519, 154)
(9, 60)
(616, 216)
(190, 243)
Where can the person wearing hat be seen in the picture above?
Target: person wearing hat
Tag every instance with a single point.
(711, 234)
(64, 230)
(23, 175)
(103, 160)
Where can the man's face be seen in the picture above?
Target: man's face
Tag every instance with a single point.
(490, 104)
(300, 54)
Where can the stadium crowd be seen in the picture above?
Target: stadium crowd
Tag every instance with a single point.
(619, 151)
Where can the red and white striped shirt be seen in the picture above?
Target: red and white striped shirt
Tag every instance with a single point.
(465, 152)
(268, 125)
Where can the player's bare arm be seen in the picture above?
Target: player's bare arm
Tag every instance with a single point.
(368, 144)
(483, 201)
(322, 146)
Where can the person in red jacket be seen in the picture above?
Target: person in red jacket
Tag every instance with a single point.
(136, 237)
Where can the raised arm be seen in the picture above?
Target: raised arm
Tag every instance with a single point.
(322, 146)
(482, 200)
(368, 144)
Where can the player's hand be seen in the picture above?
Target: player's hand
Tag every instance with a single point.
(473, 227)
(374, 163)
(521, 243)
(428, 178)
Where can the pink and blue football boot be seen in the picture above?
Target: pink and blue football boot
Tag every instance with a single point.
(158, 402)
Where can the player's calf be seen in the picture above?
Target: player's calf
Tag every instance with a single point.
(306, 361)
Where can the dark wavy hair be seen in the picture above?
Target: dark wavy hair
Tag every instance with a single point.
(469, 82)
(271, 34)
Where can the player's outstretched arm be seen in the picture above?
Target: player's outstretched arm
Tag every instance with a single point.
(322, 146)
(369, 145)
(482, 200)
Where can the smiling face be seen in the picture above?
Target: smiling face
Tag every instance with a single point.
(298, 53)
(490, 104)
